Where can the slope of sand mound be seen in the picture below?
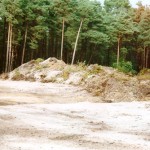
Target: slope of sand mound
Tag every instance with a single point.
(105, 82)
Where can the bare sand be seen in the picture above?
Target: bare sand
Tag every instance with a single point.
(47, 116)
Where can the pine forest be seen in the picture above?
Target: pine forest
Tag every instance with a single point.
(74, 31)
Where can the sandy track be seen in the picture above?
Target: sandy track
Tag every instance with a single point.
(33, 116)
(23, 92)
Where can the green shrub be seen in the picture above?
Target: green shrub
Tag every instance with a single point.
(125, 67)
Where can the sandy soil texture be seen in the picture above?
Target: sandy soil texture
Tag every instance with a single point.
(37, 116)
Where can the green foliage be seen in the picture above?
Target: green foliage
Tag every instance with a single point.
(125, 67)
(10, 10)
(96, 37)
(98, 42)
(144, 28)
(124, 52)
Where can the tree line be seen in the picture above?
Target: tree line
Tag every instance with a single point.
(74, 31)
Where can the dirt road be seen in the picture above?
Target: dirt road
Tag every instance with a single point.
(36, 116)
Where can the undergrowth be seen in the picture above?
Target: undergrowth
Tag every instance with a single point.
(125, 67)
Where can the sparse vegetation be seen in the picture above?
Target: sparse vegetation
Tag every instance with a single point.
(65, 74)
(38, 60)
(94, 69)
(100, 81)
(144, 74)
(4, 76)
(144, 71)
(38, 67)
(17, 75)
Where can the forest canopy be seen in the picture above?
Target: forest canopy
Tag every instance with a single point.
(74, 31)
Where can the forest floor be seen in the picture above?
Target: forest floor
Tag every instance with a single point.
(50, 116)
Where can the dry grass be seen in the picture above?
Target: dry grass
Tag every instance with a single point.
(144, 77)
(4, 76)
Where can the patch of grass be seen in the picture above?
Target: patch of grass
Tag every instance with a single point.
(144, 71)
(66, 74)
(38, 60)
(144, 77)
(120, 76)
(81, 66)
(94, 69)
(38, 67)
(144, 74)
(17, 75)
(85, 75)
(32, 62)
(72, 69)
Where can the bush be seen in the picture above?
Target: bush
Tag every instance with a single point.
(125, 67)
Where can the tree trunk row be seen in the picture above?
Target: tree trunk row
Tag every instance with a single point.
(9, 54)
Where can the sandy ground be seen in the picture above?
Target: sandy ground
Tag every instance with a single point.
(37, 116)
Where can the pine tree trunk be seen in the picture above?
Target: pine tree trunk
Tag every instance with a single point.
(56, 47)
(47, 43)
(118, 52)
(108, 57)
(4, 46)
(12, 60)
(90, 58)
(147, 53)
(10, 50)
(91, 54)
(77, 38)
(144, 55)
(32, 55)
(7, 53)
(62, 40)
(24, 44)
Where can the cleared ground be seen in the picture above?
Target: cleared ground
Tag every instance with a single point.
(36, 116)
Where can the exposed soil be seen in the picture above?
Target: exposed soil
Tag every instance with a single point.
(109, 84)
(47, 116)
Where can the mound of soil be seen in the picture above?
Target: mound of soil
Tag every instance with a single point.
(105, 82)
